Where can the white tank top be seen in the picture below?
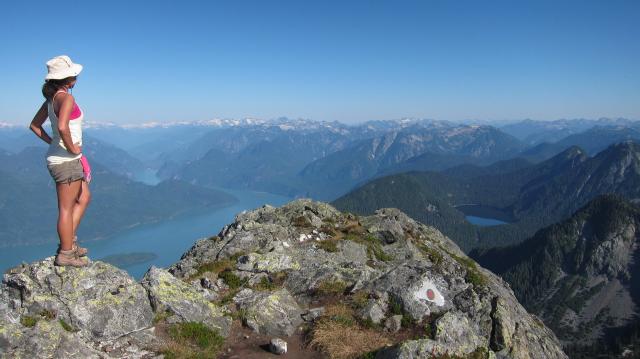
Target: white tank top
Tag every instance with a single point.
(57, 152)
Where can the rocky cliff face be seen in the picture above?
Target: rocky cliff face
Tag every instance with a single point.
(383, 284)
(580, 275)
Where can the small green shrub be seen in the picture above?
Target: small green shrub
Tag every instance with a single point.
(328, 229)
(369, 355)
(301, 221)
(428, 331)
(395, 307)
(240, 314)
(407, 320)
(369, 324)
(161, 317)
(28, 321)
(433, 254)
(331, 287)
(374, 247)
(344, 320)
(48, 314)
(479, 353)
(66, 326)
(213, 267)
(193, 340)
(232, 280)
(265, 285)
(228, 297)
(329, 245)
(474, 276)
(360, 299)
(216, 266)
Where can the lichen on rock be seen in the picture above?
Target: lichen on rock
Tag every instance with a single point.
(182, 302)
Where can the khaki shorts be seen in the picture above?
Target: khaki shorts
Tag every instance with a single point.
(66, 172)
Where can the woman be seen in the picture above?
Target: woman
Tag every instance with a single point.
(64, 157)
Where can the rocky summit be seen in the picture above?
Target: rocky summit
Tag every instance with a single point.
(331, 284)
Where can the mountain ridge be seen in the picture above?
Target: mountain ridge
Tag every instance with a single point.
(580, 275)
(534, 196)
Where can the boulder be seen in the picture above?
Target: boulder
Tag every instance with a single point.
(269, 313)
(313, 314)
(183, 302)
(393, 323)
(278, 346)
(100, 300)
(374, 312)
(46, 339)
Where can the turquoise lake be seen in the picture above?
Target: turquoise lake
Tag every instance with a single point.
(484, 222)
(166, 240)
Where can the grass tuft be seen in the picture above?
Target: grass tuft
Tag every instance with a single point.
(329, 245)
(66, 326)
(161, 317)
(331, 287)
(231, 279)
(302, 222)
(479, 353)
(374, 247)
(266, 285)
(360, 299)
(28, 321)
(338, 335)
(473, 276)
(434, 255)
(48, 314)
(192, 340)
(215, 267)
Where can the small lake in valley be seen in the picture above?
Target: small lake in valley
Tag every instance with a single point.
(484, 215)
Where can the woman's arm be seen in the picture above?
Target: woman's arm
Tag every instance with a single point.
(63, 124)
(38, 120)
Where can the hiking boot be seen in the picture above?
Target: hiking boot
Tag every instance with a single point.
(80, 251)
(70, 258)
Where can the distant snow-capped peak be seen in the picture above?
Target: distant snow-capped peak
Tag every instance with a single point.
(7, 125)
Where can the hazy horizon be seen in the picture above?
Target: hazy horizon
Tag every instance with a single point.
(152, 123)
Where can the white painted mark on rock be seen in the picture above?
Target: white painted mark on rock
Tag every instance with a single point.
(428, 291)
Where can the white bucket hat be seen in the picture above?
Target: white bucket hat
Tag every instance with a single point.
(61, 67)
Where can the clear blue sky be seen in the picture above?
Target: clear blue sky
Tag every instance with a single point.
(349, 61)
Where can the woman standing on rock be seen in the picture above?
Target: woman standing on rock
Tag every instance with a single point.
(68, 168)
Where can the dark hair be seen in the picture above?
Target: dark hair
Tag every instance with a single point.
(51, 86)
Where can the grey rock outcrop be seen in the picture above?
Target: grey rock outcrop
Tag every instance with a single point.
(94, 312)
(270, 313)
(579, 275)
(421, 272)
(63, 312)
(102, 301)
(182, 302)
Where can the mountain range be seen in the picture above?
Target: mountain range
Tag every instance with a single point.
(530, 196)
(533, 132)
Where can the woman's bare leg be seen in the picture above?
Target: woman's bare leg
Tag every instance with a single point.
(67, 198)
(84, 197)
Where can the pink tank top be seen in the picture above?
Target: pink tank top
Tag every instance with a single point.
(75, 110)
